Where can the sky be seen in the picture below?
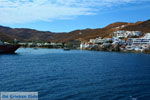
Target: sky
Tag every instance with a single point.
(69, 15)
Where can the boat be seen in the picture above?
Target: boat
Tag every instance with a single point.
(8, 48)
(66, 49)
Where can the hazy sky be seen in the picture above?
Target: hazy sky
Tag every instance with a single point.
(67, 15)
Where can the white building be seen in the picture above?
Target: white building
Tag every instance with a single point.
(139, 44)
(116, 40)
(147, 36)
(95, 41)
(100, 40)
(138, 41)
(141, 41)
(86, 45)
(125, 34)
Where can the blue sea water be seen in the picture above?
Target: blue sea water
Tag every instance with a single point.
(76, 75)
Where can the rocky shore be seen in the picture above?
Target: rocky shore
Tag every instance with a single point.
(115, 48)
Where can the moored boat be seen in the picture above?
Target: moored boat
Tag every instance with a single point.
(8, 48)
(66, 49)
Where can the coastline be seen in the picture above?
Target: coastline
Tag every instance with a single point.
(120, 51)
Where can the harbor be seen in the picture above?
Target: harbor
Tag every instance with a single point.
(76, 74)
(120, 41)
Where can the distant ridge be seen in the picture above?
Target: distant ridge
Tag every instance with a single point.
(25, 34)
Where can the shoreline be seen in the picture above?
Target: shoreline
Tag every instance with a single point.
(121, 51)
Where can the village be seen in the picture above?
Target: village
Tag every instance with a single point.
(124, 41)
(121, 41)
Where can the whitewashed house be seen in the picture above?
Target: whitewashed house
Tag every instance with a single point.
(96, 41)
(141, 41)
(147, 36)
(86, 45)
(125, 34)
(116, 40)
(140, 44)
(100, 40)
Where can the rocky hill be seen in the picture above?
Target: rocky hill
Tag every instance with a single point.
(23, 34)
(139, 26)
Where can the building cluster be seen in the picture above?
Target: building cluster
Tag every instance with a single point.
(73, 44)
(41, 44)
(126, 34)
(121, 41)
(134, 41)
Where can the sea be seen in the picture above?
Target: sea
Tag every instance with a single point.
(57, 74)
